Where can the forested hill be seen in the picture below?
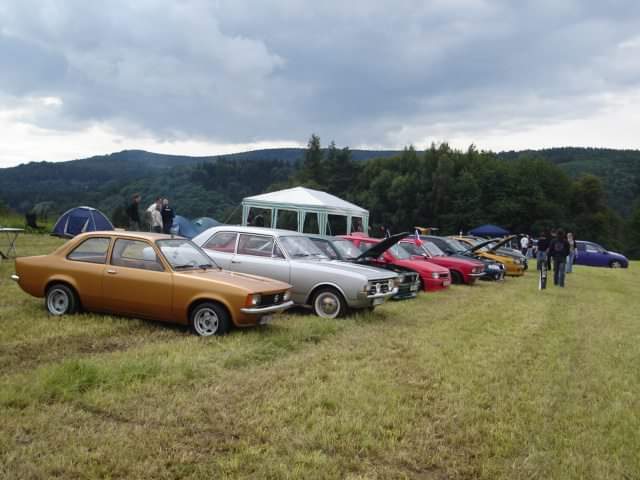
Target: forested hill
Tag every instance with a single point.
(214, 184)
(618, 169)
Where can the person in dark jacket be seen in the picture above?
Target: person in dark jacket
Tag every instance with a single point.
(558, 251)
(543, 247)
(167, 216)
(133, 214)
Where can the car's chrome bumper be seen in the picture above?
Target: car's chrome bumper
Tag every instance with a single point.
(15, 278)
(383, 295)
(265, 310)
(481, 274)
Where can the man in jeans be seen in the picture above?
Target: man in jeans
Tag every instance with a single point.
(558, 250)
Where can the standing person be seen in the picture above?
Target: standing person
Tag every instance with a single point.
(573, 252)
(543, 247)
(524, 244)
(558, 250)
(167, 216)
(133, 214)
(148, 213)
(156, 218)
(529, 247)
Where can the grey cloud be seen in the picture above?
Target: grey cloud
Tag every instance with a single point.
(360, 71)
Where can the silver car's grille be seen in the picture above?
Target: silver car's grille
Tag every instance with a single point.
(378, 286)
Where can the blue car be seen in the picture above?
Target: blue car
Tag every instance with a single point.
(595, 255)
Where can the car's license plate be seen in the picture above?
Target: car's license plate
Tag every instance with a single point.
(446, 283)
(378, 301)
(414, 288)
(266, 319)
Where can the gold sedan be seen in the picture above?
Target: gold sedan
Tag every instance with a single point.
(150, 276)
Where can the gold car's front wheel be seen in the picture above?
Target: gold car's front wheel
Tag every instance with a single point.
(209, 319)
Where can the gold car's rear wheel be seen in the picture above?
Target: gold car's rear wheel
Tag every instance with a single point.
(60, 299)
(209, 319)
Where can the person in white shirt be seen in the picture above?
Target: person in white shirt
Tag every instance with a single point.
(148, 213)
(524, 244)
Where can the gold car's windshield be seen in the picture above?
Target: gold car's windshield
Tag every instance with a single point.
(183, 254)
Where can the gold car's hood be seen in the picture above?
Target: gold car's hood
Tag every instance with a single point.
(253, 283)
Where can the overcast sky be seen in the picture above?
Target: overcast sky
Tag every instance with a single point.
(201, 77)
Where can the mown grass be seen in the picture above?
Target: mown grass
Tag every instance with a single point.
(496, 381)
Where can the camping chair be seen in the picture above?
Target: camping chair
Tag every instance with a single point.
(31, 222)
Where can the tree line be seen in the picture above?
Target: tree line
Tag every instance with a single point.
(456, 190)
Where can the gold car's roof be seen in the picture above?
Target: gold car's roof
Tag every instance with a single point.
(125, 233)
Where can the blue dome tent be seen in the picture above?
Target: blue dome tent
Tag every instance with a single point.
(489, 231)
(79, 220)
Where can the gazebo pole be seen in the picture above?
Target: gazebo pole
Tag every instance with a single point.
(348, 224)
(274, 217)
(245, 214)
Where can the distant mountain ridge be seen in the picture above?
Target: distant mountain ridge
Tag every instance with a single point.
(105, 180)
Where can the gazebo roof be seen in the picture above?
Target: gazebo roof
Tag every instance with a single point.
(306, 198)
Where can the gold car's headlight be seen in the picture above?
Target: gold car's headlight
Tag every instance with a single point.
(287, 296)
(254, 299)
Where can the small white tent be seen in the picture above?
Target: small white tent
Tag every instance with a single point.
(303, 201)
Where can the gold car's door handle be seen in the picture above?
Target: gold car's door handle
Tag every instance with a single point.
(112, 272)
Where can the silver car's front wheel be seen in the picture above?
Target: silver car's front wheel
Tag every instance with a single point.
(209, 319)
(328, 303)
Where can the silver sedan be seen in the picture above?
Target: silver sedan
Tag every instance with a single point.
(329, 287)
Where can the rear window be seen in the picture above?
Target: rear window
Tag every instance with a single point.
(92, 250)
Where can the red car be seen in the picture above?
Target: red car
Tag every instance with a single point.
(462, 270)
(432, 276)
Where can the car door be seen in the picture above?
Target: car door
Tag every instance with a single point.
(590, 255)
(86, 265)
(221, 248)
(259, 254)
(136, 282)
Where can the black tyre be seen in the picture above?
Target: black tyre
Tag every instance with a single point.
(209, 318)
(328, 303)
(61, 299)
(456, 277)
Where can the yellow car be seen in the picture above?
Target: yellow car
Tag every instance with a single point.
(514, 267)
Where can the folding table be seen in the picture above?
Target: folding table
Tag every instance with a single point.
(11, 235)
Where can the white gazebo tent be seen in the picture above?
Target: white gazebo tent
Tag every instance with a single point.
(303, 201)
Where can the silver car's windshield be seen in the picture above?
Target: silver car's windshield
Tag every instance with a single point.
(183, 254)
(347, 249)
(300, 247)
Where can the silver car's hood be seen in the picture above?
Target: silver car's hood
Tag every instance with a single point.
(337, 267)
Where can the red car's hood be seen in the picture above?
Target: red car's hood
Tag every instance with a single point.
(451, 262)
(420, 265)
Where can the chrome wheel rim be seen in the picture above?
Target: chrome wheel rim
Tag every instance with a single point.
(57, 301)
(327, 305)
(206, 322)
(616, 264)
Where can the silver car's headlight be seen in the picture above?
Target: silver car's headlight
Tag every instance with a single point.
(393, 283)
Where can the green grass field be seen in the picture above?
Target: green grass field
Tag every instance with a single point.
(495, 381)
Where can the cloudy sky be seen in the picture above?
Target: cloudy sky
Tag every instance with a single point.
(204, 77)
